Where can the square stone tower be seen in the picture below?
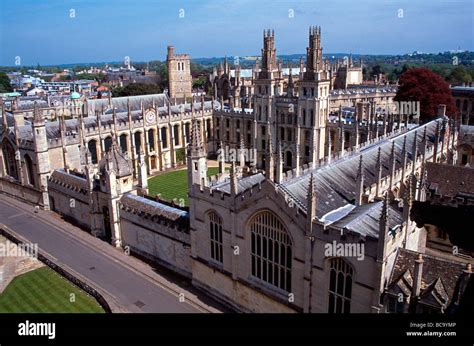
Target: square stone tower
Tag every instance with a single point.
(179, 74)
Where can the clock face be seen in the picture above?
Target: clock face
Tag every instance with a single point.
(150, 117)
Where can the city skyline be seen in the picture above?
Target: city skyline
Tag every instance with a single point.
(89, 32)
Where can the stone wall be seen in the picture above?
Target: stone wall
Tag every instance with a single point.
(15, 189)
(160, 242)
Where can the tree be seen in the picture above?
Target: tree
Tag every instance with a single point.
(5, 85)
(460, 75)
(136, 89)
(427, 87)
(199, 82)
(376, 70)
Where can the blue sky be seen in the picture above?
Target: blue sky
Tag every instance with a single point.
(42, 31)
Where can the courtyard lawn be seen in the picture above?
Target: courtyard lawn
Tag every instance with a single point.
(173, 184)
(43, 290)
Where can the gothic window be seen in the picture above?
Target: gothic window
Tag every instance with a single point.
(340, 286)
(312, 117)
(138, 142)
(186, 131)
(176, 134)
(208, 128)
(215, 229)
(289, 159)
(92, 146)
(9, 160)
(304, 117)
(123, 142)
(107, 143)
(29, 170)
(164, 139)
(271, 254)
(151, 139)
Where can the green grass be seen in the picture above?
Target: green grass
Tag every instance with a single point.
(173, 184)
(43, 290)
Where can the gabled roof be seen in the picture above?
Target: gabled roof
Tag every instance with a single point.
(153, 208)
(364, 219)
(243, 184)
(440, 277)
(335, 183)
(450, 181)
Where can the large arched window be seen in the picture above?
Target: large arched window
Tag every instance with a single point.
(271, 251)
(340, 286)
(215, 229)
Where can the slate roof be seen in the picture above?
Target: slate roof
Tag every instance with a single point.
(153, 208)
(335, 183)
(364, 219)
(355, 91)
(121, 103)
(450, 181)
(441, 278)
(72, 125)
(59, 176)
(120, 163)
(243, 184)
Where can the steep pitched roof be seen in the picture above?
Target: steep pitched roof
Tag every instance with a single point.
(336, 182)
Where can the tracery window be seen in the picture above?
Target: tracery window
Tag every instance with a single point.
(215, 229)
(340, 286)
(271, 251)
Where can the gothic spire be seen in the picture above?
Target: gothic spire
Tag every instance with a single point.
(311, 200)
(196, 146)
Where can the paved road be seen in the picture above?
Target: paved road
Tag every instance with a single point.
(131, 290)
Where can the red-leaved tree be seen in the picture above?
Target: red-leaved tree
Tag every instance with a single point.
(427, 87)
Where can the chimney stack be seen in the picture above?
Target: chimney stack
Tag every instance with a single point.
(441, 110)
(418, 274)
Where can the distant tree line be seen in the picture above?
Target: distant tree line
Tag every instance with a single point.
(5, 85)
